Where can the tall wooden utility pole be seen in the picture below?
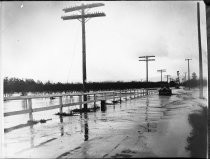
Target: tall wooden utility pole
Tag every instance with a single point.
(146, 58)
(178, 77)
(83, 19)
(161, 72)
(185, 77)
(200, 52)
(188, 71)
(207, 3)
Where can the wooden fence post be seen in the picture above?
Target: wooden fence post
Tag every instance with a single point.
(125, 94)
(120, 96)
(71, 99)
(94, 100)
(80, 100)
(113, 97)
(105, 96)
(61, 105)
(30, 109)
(128, 94)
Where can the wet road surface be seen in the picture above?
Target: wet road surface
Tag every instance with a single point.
(153, 126)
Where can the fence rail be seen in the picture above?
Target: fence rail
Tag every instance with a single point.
(98, 96)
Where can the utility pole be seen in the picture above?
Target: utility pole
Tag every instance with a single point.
(161, 72)
(200, 52)
(178, 77)
(188, 71)
(167, 76)
(146, 58)
(83, 17)
(185, 77)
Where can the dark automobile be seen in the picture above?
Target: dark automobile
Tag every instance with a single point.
(165, 91)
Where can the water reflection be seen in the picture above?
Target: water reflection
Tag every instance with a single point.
(163, 100)
(81, 124)
(61, 127)
(86, 126)
(32, 136)
(114, 107)
(95, 117)
(146, 115)
(197, 140)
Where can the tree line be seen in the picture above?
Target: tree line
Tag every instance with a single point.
(12, 85)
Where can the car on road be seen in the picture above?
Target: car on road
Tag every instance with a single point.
(165, 91)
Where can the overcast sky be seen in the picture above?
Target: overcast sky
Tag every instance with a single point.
(36, 43)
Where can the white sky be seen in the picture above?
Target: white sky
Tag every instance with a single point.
(36, 43)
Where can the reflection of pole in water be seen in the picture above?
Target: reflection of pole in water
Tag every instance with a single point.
(81, 123)
(86, 126)
(95, 117)
(163, 100)
(32, 136)
(61, 128)
(146, 114)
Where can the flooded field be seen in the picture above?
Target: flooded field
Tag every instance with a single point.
(149, 126)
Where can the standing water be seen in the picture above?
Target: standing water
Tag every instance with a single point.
(152, 126)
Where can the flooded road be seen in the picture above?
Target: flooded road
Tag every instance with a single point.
(149, 126)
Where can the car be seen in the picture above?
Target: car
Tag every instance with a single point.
(165, 91)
